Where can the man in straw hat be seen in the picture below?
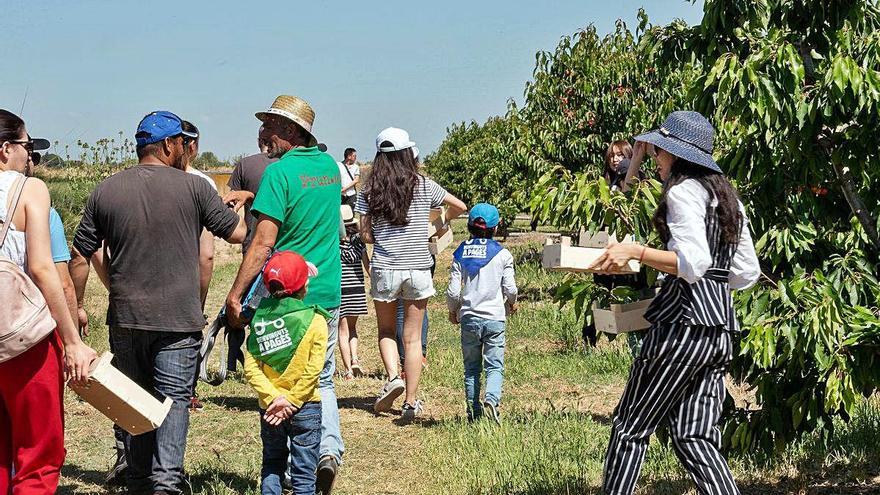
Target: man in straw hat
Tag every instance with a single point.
(297, 209)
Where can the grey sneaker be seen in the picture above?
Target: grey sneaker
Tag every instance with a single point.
(411, 411)
(390, 392)
(491, 410)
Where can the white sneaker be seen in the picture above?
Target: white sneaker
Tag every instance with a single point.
(491, 410)
(391, 391)
(411, 411)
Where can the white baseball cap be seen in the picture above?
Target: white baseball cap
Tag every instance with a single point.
(398, 138)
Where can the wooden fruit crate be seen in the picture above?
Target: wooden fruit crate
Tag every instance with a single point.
(565, 257)
(622, 318)
(440, 241)
(121, 399)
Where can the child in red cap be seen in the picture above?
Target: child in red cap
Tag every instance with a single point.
(286, 349)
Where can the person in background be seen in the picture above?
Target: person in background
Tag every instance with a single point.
(482, 291)
(298, 210)
(394, 208)
(678, 378)
(58, 239)
(350, 173)
(285, 354)
(206, 240)
(617, 158)
(245, 182)
(150, 218)
(31, 399)
(355, 260)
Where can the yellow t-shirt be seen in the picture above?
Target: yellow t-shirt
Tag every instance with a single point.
(299, 382)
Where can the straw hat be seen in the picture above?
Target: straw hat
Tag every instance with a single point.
(294, 109)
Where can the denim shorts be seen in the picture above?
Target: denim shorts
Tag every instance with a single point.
(410, 285)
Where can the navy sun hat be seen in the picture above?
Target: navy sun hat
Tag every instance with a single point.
(687, 135)
(485, 212)
(159, 125)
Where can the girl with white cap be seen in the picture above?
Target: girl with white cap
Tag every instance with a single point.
(395, 206)
(678, 377)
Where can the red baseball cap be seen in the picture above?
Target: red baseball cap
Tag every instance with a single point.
(290, 270)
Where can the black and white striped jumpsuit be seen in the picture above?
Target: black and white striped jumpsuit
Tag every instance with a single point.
(678, 378)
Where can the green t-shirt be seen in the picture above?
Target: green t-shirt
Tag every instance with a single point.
(302, 191)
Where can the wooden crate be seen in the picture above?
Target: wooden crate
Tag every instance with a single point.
(121, 399)
(565, 257)
(622, 318)
(440, 241)
(435, 222)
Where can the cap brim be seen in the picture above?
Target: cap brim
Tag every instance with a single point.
(680, 149)
(41, 144)
(405, 146)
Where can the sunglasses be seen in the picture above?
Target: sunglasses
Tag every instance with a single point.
(36, 157)
(28, 144)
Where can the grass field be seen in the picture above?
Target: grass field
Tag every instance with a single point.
(558, 399)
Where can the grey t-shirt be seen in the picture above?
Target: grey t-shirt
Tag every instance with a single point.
(151, 217)
(246, 176)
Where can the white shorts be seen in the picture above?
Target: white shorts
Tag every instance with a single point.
(410, 285)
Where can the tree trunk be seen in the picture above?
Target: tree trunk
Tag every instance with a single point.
(855, 201)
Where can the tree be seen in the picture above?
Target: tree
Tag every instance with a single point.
(793, 87)
(207, 160)
(474, 163)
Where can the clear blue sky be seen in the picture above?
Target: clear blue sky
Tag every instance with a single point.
(94, 68)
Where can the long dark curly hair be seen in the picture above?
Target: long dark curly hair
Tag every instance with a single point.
(729, 215)
(389, 189)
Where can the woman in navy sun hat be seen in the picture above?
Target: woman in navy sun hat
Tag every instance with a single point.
(678, 377)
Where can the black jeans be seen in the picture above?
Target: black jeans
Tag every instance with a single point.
(163, 363)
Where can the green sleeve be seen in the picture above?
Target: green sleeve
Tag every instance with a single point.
(272, 197)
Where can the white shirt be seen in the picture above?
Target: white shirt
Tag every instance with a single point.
(193, 171)
(686, 218)
(347, 179)
(485, 294)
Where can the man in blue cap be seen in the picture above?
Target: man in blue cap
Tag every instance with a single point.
(481, 293)
(150, 217)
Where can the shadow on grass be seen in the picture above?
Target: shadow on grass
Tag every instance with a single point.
(74, 472)
(517, 418)
(210, 479)
(360, 403)
(241, 403)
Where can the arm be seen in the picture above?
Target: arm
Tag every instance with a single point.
(688, 256)
(367, 229)
(77, 355)
(744, 267)
(305, 385)
(352, 184)
(266, 390)
(261, 247)
(454, 208)
(69, 293)
(453, 292)
(508, 281)
(206, 264)
(99, 262)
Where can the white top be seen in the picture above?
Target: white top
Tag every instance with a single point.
(355, 170)
(686, 218)
(193, 171)
(485, 294)
(14, 248)
(405, 247)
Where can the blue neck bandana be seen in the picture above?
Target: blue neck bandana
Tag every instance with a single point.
(474, 254)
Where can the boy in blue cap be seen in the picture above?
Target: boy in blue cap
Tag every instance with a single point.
(482, 292)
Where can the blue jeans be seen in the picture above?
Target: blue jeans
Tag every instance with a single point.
(299, 439)
(399, 337)
(163, 363)
(482, 346)
(331, 436)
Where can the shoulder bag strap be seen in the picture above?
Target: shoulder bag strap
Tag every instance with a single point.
(16, 195)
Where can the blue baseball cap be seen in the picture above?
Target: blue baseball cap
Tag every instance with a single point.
(485, 212)
(159, 125)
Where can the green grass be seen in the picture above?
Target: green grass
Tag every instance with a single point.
(558, 399)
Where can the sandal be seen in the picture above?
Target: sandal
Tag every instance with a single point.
(356, 369)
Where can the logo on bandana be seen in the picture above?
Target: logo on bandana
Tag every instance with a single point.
(474, 251)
